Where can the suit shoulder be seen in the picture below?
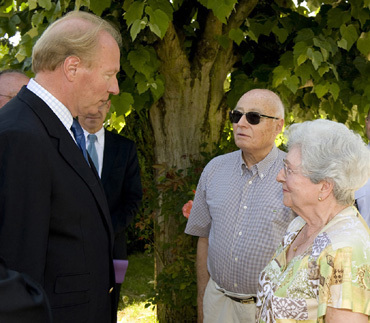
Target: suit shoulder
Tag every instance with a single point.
(118, 138)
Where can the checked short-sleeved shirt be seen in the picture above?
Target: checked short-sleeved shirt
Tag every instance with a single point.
(241, 211)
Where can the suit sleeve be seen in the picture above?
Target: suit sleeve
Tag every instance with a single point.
(22, 300)
(25, 190)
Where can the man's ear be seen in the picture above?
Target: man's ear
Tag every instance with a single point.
(279, 126)
(70, 66)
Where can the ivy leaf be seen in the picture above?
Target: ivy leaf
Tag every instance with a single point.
(280, 74)
(315, 57)
(122, 103)
(281, 33)
(46, 4)
(98, 6)
(221, 8)
(292, 83)
(136, 27)
(236, 35)
(157, 88)
(138, 58)
(134, 12)
(349, 36)
(32, 4)
(363, 44)
(334, 90)
(158, 21)
(320, 90)
(223, 41)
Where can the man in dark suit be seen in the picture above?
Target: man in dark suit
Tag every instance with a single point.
(116, 161)
(54, 218)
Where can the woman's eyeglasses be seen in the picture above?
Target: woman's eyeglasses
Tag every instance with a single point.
(252, 117)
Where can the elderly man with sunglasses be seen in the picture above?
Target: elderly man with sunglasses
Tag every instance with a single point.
(238, 213)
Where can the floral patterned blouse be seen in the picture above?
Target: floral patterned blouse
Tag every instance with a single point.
(334, 271)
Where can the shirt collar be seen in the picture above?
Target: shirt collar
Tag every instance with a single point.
(99, 134)
(59, 109)
(263, 166)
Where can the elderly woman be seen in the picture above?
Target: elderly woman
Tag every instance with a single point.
(321, 270)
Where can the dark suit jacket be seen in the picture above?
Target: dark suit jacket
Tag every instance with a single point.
(54, 217)
(22, 300)
(121, 181)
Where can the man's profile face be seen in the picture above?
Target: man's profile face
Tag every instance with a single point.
(10, 84)
(95, 83)
(259, 137)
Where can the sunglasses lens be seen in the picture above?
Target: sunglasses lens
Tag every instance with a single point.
(235, 116)
(253, 117)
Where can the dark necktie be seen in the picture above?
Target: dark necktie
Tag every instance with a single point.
(91, 149)
(80, 138)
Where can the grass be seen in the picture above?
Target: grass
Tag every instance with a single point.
(134, 291)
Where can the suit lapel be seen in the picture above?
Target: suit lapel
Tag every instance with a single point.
(67, 148)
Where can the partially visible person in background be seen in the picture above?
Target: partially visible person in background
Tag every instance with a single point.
(11, 81)
(362, 196)
(115, 159)
(320, 271)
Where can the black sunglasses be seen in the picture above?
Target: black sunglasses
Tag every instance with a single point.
(252, 117)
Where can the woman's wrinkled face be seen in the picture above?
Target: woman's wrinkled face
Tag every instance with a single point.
(299, 192)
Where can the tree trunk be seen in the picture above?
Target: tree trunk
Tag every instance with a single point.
(191, 112)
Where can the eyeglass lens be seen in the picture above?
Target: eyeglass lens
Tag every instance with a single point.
(252, 117)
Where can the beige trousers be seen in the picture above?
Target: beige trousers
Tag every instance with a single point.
(218, 308)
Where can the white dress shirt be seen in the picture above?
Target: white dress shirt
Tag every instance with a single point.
(362, 197)
(60, 110)
(99, 145)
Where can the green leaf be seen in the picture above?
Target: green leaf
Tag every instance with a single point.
(323, 69)
(281, 33)
(158, 21)
(134, 12)
(32, 4)
(136, 27)
(122, 103)
(334, 90)
(46, 4)
(223, 40)
(236, 35)
(320, 90)
(280, 75)
(292, 83)
(98, 6)
(338, 17)
(157, 88)
(363, 44)
(138, 58)
(221, 8)
(349, 36)
(315, 57)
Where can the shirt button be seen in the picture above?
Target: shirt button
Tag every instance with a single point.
(250, 182)
(245, 207)
(262, 175)
(240, 233)
(111, 290)
(236, 258)
(235, 285)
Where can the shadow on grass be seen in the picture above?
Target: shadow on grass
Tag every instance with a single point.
(135, 289)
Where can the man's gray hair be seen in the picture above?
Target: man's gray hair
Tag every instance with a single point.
(332, 152)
